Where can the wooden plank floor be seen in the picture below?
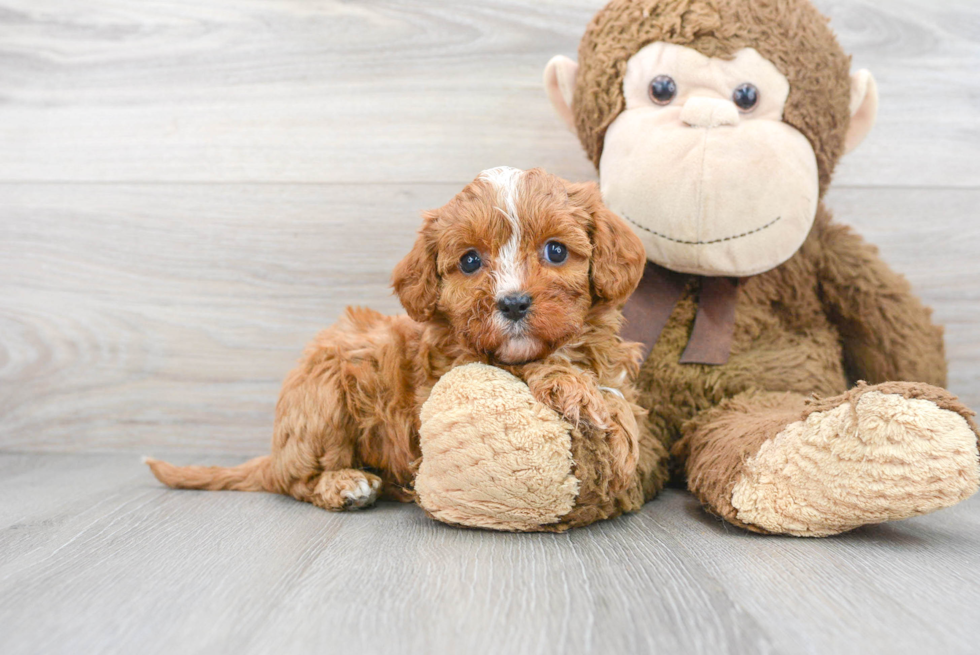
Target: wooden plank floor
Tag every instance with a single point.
(190, 189)
(99, 558)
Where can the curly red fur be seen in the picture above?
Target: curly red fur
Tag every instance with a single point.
(347, 419)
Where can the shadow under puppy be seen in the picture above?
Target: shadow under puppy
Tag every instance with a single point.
(520, 270)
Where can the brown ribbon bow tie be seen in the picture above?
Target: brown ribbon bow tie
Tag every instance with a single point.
(650, 307)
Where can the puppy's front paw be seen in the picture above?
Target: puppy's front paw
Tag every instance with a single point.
(575, 396)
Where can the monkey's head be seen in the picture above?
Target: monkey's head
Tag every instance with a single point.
(715, 124)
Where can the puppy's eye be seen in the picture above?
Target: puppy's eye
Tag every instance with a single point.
(470, 262)
(555, 253)
(663, 88)
(746, 97)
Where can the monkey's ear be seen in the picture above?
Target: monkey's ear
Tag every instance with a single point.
(416, 278)
(864, 109)
(559, 84)
(618, 256)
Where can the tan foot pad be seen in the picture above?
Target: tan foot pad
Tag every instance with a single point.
(884, 457)
(492, 456)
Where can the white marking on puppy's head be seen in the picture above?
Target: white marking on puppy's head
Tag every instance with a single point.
(509, 274)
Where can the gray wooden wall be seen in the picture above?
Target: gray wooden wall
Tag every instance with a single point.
(189, 190)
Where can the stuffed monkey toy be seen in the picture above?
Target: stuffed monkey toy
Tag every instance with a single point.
(715, 126)
(795, 378)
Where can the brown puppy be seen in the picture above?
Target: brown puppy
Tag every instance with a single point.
(521, 270)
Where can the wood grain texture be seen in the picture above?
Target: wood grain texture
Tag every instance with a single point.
(98, 557)
(398, 90)
(159, 314)
(134, 316)
(155, 312)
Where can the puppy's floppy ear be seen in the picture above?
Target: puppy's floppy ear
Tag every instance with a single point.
(415, 278)
(618, 256)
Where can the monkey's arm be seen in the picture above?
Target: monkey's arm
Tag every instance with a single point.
(886, 331)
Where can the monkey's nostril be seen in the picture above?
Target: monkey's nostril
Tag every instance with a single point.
(514, 306)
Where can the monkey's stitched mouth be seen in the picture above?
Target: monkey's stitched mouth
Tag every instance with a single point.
(702, 243)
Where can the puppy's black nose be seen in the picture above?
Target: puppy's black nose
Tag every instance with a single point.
(514, 306)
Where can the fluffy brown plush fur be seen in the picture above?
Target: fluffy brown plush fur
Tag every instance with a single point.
(833, 313)
(792, 34)
(347, 419)
(830, 316)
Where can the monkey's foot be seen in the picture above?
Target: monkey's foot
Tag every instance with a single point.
(493, 456)
(877, 453)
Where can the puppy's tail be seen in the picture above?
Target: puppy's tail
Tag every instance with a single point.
(253, 475)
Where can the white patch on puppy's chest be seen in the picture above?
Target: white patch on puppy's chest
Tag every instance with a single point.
(509, 274)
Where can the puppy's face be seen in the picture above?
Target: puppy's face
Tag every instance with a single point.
(516, 261)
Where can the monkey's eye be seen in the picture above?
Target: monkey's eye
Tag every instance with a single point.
(470, 262)
(555, 252)
(663, 89)
(746, 97)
